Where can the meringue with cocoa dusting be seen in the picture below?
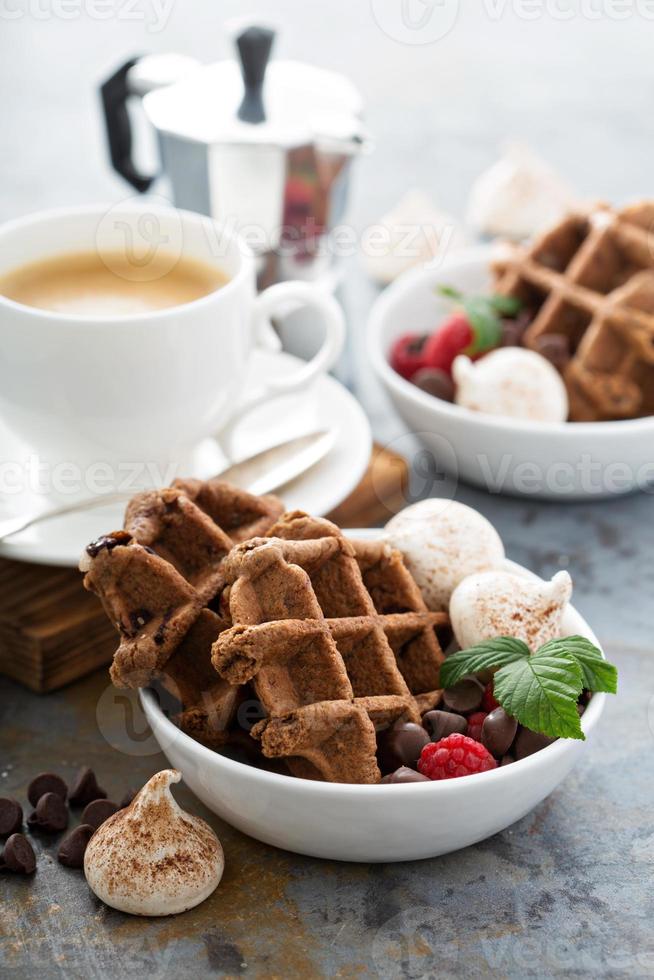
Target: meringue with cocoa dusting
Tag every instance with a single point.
(153, 858)
(503, 603)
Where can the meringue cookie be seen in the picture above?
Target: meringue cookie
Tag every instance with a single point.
(498, 603)
(443, 541)
(153, 858)
(511, 381)
(414, 232)
(519, 196)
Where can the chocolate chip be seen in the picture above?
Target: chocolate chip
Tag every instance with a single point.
(85, 788)
(50, 815)
(555, 347)
(108, 542)
(405, 775)
(580, 709)
(46, 782)
(435, 382)
(507, 760)
(529, 742)
(513, 328)
(72, 848)
(139, 618)
(98, 811)
(498, 732)
(11, 816)
(440, 724)
(127, 798)
(585, 696)
(511, 334)
(18, 855)
(401, 745)
(464, 696)
(160, 633)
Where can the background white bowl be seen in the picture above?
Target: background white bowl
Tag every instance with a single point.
(371, 823)
(560, 460)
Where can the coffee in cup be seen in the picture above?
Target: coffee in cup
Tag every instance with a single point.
(110, 284)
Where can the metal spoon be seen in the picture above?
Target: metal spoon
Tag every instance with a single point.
(263, 472)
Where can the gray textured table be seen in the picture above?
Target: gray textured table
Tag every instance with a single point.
(567, 891)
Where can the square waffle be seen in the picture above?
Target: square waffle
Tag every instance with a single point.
(590, 279)
(320, 653)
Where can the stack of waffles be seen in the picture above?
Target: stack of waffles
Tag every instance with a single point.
(222, 599)
(590, 280)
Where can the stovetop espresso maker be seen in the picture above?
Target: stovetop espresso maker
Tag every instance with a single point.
(264, 147)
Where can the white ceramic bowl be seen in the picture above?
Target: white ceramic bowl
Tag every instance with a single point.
(371, 823)
(551, 460)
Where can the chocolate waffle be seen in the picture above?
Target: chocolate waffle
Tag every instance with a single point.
(590, 280)
(193, 525)
(155, 580)
(382, 586)
(165, 633)
(307, 633)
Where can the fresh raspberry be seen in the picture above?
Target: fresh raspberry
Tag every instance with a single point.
(475, 721)
(488, 702)
(456, 755)
(406, 355)
(452, 337)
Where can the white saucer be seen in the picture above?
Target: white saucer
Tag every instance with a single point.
(326, 404)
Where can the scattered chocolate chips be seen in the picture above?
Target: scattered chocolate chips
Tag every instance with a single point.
(401, 745)
(72, 848)
(498, 732)
(46, 782)
(464, 696)
(555, 347)
(85, 788)
(435, 382)
(98, 811)
(11, 816)
(440, 724)
(18, 855)
(529, 742)
(405, 775)
(50, 815)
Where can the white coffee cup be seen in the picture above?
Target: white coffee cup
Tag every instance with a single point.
(148, 386)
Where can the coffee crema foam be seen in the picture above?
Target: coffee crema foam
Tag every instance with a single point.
(110, 284)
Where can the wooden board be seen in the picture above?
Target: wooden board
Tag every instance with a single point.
(53, 632)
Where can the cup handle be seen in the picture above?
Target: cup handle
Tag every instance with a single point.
(285, 295)
(282, 296)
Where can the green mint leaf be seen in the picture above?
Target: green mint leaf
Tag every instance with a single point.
(484, 313)
(541, 693)
(597, 674)
(505, 305)
(450, 293)
(491, 653)
(486, 324)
